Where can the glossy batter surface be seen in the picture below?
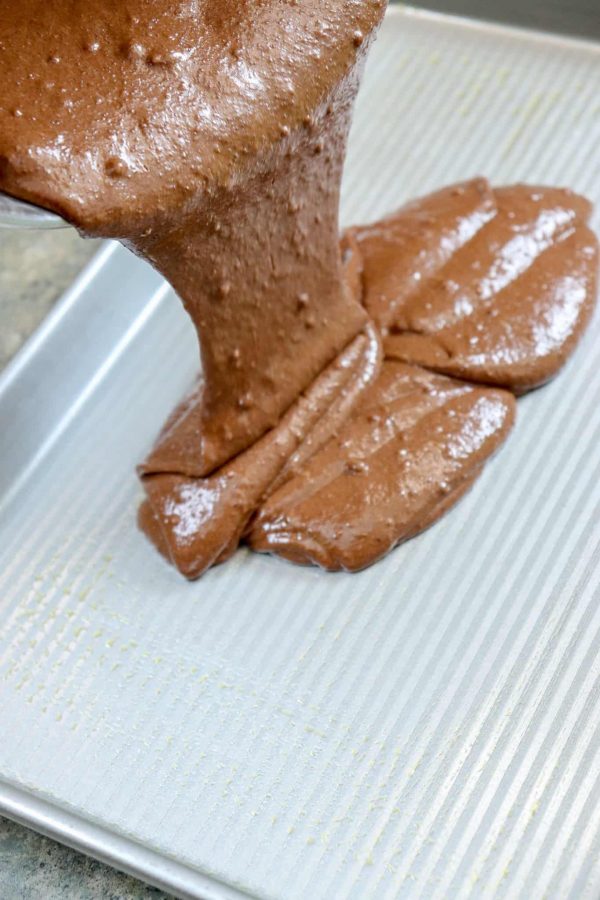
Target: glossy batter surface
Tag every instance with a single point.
(411, 449)
(505, 303)
(116, 112)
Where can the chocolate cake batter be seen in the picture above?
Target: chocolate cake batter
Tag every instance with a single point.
(411, 449)
(492, 286)
(209, 137)
(195, 522)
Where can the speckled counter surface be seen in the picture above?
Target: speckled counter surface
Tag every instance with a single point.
(35, 269)
(35, 868)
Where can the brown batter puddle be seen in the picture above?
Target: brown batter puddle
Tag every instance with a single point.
(351, 392)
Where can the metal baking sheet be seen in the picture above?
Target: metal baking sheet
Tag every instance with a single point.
(427, 728)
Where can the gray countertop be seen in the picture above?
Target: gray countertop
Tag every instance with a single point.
(35, 269)
(35, 868)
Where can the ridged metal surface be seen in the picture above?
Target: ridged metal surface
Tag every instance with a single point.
(428, 728)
